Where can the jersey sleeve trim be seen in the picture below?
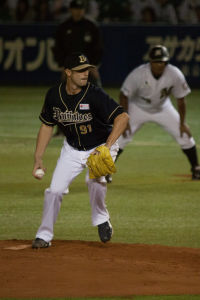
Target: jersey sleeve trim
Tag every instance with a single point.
(46, 122)
(180, 96)
(113, 112)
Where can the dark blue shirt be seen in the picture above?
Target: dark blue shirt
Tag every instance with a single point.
(85, 118)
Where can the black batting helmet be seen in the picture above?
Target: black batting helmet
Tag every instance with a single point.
(159, 53)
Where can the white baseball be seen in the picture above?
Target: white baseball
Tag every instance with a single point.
(39, 173)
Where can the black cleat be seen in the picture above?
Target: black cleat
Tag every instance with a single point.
(196, 173)
(39, 243)
(105, 231)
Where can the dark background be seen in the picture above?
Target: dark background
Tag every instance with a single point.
(126, 46)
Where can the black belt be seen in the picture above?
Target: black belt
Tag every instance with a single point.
(84, 148)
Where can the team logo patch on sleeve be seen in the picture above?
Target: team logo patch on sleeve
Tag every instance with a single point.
(84, 106)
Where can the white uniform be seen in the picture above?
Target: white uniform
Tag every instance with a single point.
(149, 101)
(70, 164)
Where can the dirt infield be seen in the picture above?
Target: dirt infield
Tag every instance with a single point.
(92, 269)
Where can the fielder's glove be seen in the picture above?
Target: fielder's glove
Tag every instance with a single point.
(100, 164)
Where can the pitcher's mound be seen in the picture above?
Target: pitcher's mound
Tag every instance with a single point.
(94, 269)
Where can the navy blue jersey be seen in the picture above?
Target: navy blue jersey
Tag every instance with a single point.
(85, 118)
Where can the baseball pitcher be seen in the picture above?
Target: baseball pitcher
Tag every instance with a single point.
(91, 122)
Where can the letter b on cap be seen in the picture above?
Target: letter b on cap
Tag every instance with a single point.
(82, 58)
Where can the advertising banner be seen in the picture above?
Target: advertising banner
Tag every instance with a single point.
(26, 55)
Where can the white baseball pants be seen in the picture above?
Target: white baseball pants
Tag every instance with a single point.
(70, 164)
(168, 118)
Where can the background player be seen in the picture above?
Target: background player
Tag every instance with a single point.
(145, 96)
(81, 34)
(85, 113)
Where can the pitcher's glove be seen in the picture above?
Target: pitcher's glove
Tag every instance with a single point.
(100, 163)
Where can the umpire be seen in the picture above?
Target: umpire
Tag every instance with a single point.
(78, 33)
(88, 118)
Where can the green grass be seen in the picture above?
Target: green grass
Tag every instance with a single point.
(149, 200)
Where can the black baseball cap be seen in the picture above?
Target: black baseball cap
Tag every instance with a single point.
(77, 61)
(77, 4)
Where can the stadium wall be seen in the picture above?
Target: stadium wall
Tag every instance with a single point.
(26, 56)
